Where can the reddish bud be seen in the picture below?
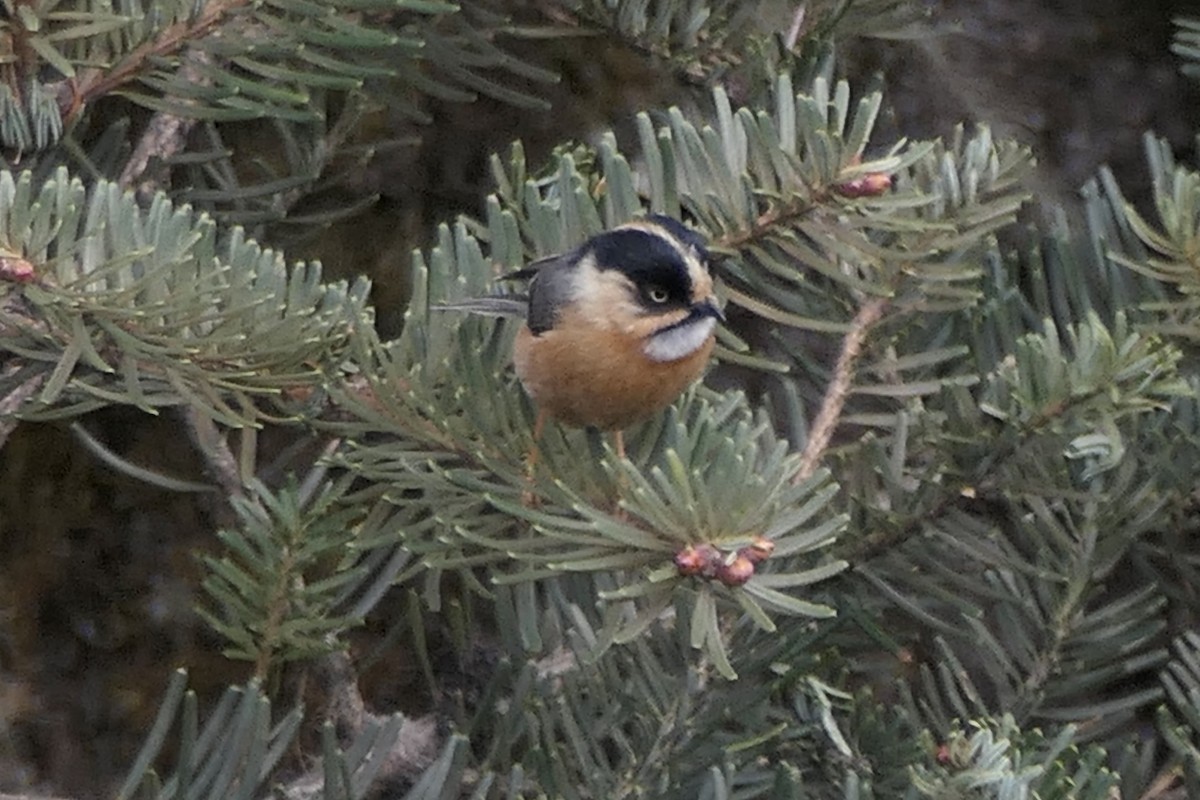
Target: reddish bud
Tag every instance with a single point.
(15, 269)
(735, 572)
(298, 393)
(872, 184)
(759, 550)
(701, 560)
(689, 561)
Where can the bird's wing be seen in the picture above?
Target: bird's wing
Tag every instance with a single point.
(552, 286)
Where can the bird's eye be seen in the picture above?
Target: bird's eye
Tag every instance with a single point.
(657, 295)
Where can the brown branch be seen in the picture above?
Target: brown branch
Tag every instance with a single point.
(215, 449)
(797, 26)
(839, 388)
(12, 402)
(171, 40)
(767, 221)
(415, 748)
(17, 318)
(166, 133)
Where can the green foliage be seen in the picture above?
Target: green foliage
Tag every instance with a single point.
(462, 496)
(468, 467)
(307, 72)
(1178, 719)
(147, 308)
(275, 593)
(1187, 44)
(236, 750)
(698, 36)
(1173, 245)
(998, 760)
(1104, 376)
(976, 594)
(224, 60)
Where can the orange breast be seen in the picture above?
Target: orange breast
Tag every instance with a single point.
(584, 376)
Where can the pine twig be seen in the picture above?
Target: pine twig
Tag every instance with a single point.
(212, 445)
(16, 315)
(165, 135)
(413, 751)
(96, 83)
(12, 402)
(798, 20)
(839, 388)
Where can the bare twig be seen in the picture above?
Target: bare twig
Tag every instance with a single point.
(17, 318)
(415, 747)
(215, 449)
(96, 83)
(793, 34)
(12, 402)
(1165, 786)
(839, 388)
(166, 134)
(163, 137)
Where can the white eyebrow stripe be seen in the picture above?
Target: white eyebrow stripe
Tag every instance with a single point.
(679, 341)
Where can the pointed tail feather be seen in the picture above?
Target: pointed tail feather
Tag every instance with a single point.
(511, 305)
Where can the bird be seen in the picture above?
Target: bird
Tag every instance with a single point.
(616, 328)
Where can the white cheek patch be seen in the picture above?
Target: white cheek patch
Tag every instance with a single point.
(679, 341)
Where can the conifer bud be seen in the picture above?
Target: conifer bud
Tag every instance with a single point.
(759, 550)
(735, 572)
(688, 561)
(871, 184)
(701, 560)
(16, 269)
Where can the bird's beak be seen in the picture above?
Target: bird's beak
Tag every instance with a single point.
(708, 308)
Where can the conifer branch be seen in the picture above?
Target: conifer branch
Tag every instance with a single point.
(797, 26)
(172, 39)
(215, 450)
(839, 388)
(415, 747)
(11, 403)
(166, 133)
(434, 426)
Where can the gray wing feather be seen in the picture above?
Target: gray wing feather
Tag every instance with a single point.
(550, 289)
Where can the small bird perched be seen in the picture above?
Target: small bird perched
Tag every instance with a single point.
(617, 328)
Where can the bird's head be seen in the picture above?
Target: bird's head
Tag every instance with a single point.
(649, 279)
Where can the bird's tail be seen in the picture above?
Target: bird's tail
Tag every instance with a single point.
(507, 305)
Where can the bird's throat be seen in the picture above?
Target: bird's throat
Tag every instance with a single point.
(679, 340)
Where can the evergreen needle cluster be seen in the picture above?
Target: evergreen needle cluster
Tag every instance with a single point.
(972, 463)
